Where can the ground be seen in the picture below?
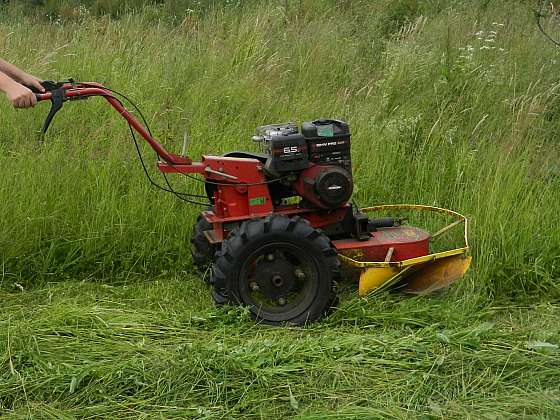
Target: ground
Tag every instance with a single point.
(157, 347)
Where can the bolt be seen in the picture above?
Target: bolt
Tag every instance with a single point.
(281, 301)
(277, 281)
(254, 286)
(270, 257)
(300, 275)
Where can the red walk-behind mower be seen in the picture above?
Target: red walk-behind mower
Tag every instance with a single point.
(278, 224)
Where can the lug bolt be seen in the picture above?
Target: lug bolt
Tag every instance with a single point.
(281, 301)
(270, 257)
(254, 286)
(300, 275)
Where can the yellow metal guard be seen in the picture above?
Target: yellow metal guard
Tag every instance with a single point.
(423, 274)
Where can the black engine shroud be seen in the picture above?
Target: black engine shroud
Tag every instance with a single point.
(312, 162)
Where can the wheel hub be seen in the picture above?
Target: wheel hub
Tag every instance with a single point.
(275, 277)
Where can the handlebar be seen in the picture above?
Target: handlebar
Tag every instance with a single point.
(43, 96)
(70, 90)
(60, 92)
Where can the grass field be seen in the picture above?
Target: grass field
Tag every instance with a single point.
(450, 103)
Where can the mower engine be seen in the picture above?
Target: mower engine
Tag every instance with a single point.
(315, 161)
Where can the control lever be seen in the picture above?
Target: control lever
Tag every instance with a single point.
(57, 98)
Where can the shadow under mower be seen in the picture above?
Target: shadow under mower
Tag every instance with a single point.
(279, 223)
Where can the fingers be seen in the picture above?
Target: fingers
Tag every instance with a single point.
(32, 82)
(26, 100)
(36, 83)
(19, 103)
(31, 100)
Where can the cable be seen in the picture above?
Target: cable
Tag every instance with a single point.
(171, 164)
(178, 194)
(171, 190)
(539, 15)
(125, 98)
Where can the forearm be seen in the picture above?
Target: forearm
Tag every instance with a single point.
(5, 81)
(16, 85)
(12, 71)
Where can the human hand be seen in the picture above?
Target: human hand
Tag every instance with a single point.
(32, 82)
(20, 96)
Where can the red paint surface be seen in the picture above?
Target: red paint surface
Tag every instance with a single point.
(408, 241)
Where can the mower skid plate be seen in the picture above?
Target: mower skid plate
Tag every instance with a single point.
(408, 266)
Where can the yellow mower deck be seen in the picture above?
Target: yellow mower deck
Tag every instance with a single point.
(420, 275)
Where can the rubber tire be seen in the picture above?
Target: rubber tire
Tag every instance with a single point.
(202, 251)
(255, 233)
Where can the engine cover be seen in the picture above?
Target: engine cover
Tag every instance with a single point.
(285, 148)
(325, 186)
(328, 142)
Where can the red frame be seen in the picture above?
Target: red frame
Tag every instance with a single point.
(86, 89)
(242, 191)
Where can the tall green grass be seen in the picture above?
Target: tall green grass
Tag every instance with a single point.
(448, 106)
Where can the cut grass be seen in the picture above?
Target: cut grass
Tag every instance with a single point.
(160, 348)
